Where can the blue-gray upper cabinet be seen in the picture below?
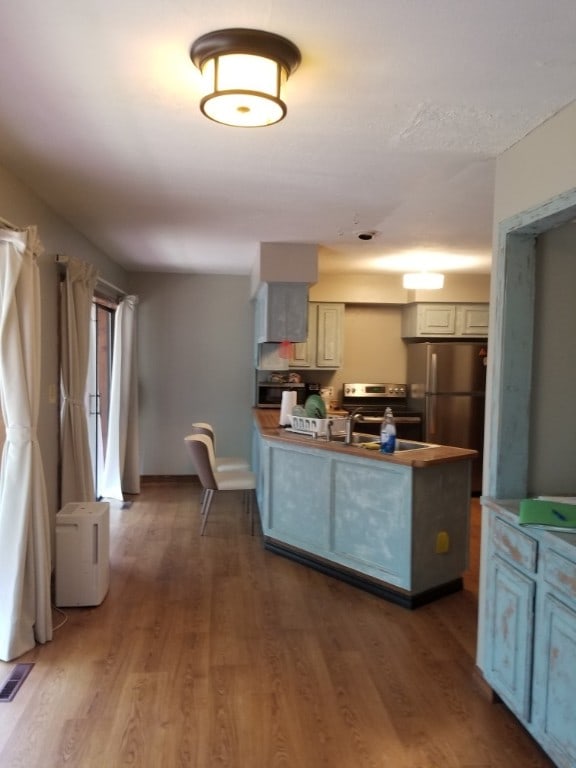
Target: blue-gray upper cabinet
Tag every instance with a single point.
(281, 312)
(323, 347)
(441, 320)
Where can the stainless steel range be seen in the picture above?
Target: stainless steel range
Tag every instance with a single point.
(370, 400)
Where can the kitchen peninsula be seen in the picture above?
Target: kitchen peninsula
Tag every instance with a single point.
(396, 525)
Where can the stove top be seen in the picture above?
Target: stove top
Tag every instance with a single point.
(374, 391)
(373, 398)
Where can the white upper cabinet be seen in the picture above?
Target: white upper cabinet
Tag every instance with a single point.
(440, 320)
(281, 312)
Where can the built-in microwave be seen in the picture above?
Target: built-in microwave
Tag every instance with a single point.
(269, 393)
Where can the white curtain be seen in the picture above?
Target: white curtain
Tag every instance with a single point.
(77, 479)
(25, 612)
(122, 462)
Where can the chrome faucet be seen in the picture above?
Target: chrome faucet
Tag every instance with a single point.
(351, 419)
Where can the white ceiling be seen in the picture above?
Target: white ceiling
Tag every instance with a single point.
(394, 119)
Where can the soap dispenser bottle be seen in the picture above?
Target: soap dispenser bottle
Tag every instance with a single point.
(388, 433)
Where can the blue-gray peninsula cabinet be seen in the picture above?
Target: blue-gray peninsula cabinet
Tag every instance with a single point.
(396, 526)
(528, 626)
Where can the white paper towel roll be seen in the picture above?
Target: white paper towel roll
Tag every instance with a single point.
(288, 402)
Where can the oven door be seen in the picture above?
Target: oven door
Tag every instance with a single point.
(407, 427)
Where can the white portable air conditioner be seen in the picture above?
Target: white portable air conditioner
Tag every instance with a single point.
(82, 553)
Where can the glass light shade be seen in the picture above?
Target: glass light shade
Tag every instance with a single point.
(243, 90)
(243, 71)
(423, 280)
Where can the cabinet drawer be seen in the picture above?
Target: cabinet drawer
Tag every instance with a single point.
(514, 545)
(560, 573)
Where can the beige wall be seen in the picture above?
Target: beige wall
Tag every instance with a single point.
(373, 347)
(387, 289)
(538, 168)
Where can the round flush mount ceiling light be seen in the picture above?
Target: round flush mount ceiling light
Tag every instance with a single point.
(244, 70)
(423, 280)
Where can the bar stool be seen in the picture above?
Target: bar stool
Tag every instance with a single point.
(202, 452)
(222, 463)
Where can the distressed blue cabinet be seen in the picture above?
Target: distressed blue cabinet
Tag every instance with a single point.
(555, 668)
(510, 634)
(527, 629)
(399, 528)
(281, 312)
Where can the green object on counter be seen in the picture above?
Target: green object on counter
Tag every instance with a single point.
(315, 407)
(544, 513)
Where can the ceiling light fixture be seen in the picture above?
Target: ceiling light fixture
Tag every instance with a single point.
(244, 70)
(423, 280)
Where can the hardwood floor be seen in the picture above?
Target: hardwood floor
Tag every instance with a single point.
(213, 652)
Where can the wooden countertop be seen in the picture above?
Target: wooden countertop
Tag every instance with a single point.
(267, 421)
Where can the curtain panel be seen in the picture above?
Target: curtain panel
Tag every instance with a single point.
(122, 462)
(77, 290)
(25, 564)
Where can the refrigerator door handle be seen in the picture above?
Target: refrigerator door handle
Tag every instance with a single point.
(433, 372)
(430, 417)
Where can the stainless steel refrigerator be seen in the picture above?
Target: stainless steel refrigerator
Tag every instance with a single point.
(447, 383)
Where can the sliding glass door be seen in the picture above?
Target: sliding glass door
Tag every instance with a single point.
(98, 389)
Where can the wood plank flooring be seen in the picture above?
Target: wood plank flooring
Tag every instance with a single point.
(211, 652)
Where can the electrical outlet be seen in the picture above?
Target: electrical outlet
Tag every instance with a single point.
(442, 543)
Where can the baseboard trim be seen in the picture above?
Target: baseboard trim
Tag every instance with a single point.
(148, 479)
(395, 595)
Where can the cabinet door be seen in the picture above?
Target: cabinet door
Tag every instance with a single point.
(440, 320)
(304, 352)
(281, 312)
(329, 335)
(428, 320)
(323, 347)
(509, 635)
(295, 301)
(437, 320)
(472, 320)
(555, 681)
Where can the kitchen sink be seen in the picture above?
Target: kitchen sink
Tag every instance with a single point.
(411, 445)
(359, 439)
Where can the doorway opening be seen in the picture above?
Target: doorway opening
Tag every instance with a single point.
(98, 383)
